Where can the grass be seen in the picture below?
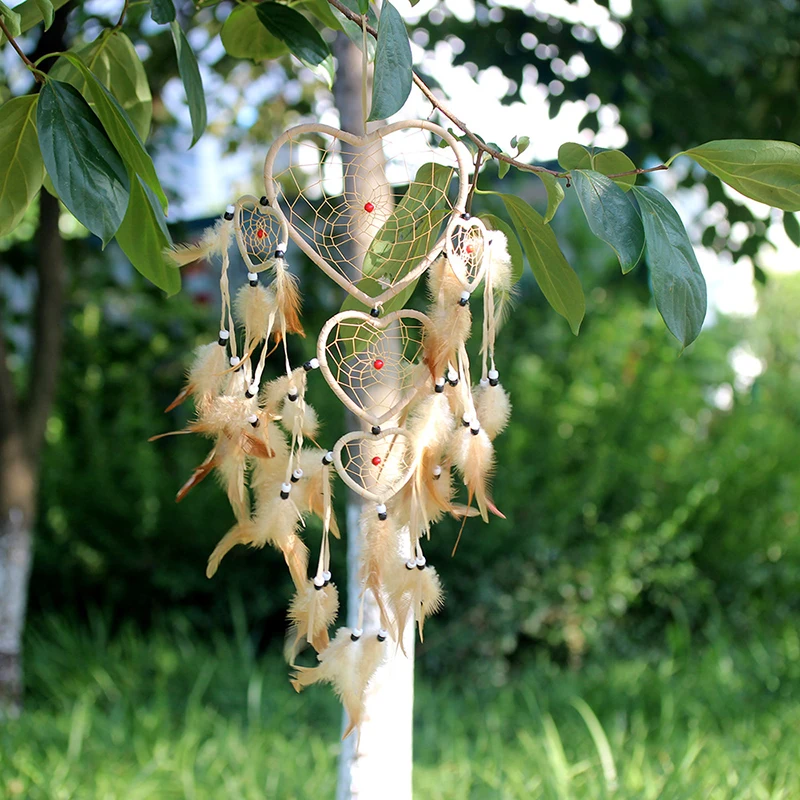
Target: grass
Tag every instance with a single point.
(171, 715)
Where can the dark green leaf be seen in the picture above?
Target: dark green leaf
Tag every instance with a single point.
(143, 237)
(556, 278)
(792, 227)
(678, 284)
(412, 228)
(31, 15)
(114, 61)
(363, 6)
(119, 128)
(162, 11)
(21, 167)
(86, 170)
(611, 216)
(47, 11)
(613, 162)
(514, 248)
(574, 156)
(243, 36)
(767, 171)
(292, 28)
(393, 73)
(192, 82)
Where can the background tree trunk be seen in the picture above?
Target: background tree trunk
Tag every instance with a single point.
(378, 762)
(22, 427)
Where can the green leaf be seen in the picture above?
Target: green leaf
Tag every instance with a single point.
(116, 64)
(351, 29)
(523, 142)
(143, 236)
(21, 167)
(391, 84)
(611, 216)
(792, 227)
(326, 71)
(767, 171)
(192, 82)
(555, 193)
(162, 11)
(31, 14)
(411, 229)
(502, 169)
(363, 6)
(292, 28)
(12, 20)
(322, 10)
(47, 11)
(556, 278)
(119, 128)
(243, 36)
(514, 247)
(86, 170)
(678, 284)
(574, 156)
(612, 162)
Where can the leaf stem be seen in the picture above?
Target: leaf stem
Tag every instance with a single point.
(39, 76)
(122, 15)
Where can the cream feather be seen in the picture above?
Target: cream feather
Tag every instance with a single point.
(255, 307)
(274, 393)
(215, 241)
(493, 408)
(416, 591)
(473, 454)
(311, 612)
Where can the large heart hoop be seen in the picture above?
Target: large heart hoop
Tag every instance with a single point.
(375, 467)
(352, 182)
(374, 366)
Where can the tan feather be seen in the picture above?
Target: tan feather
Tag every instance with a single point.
(310, 490)
(241, 533)
(349, 667)
(287, 296)
(215, 241)
(473, 454)
(301, 414)
(255, 307)
(414, 591)
(311, 612)
(493, 408)
(274, 393)
(205, 377)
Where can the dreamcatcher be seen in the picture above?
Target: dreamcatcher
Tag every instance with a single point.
(399, 195)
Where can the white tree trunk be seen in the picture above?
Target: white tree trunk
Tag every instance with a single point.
(376, 763)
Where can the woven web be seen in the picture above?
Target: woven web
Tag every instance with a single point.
(258, 233)
(379, 465)
(377, 369)
(390, 198)
(467, 243)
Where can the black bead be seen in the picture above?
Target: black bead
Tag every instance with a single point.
(354, 638)
(295, 478)
(292, 397)
(279, 254)
(248, 394)
(264, 201)
(474, 431)
(463, 301)
(465, 423)
(409, 567)
(222, 342)
(466, 216)
(421, 567)
(255, 424)
(319, 587)
(376, 429)
(494, 381)
(326, 459)
(375, 312)
(284, 495)
(253, 282)
(453, 383)
(228, 216)
(327, 582)
(438, 388)
(381, 638)
(382, 516)
(307, 366)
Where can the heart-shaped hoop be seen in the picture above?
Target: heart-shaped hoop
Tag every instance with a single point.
(260, 231)
(374, 365)
(375, 467)
(467, 250)
(347, 186)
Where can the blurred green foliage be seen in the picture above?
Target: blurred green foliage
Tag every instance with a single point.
(635, 497)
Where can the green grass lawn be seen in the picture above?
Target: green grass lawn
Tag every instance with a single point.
(175, 715)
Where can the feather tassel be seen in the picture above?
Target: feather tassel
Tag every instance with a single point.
(312, 611)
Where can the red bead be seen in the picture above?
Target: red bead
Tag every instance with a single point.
(369, 207)
(260, 233)
(376, 460)
(378, 363)
(470, 248)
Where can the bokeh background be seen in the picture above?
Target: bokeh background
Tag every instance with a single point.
(630, 630)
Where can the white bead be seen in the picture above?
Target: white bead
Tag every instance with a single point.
(452, 375)
(252, 419)
(314, 363)
(234, 360)
(230, 209)
(440, 381)
(297, 474)
(465, 295)
(420, 561)
(319, 580)
(381, 508)
(253, 389)
(411, 563)
(327, 575)
(475, 426)
(329, 455)
(358, 632)
(383, 633)
(437, 470)
(465, 419)
(286, 488)
(292, 390)
(224, 335)
(484, 381)
(493, 374)
(252, 276)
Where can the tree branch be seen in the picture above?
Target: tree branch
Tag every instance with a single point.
(8, 399)
(474, 138)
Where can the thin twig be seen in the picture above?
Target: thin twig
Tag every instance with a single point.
(28, 63)
(122, 15)
(474, 138)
